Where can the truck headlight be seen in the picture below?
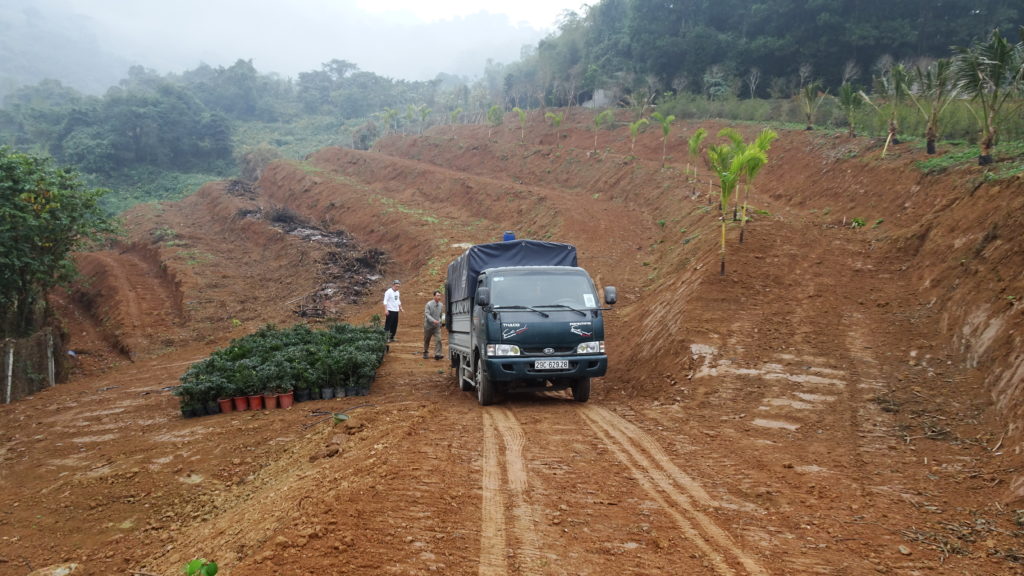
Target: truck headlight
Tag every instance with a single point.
(502, 350)
(590, 347)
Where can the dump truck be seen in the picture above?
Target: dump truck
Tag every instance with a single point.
(523, 316)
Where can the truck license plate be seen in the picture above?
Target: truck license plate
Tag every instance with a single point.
(551, 365)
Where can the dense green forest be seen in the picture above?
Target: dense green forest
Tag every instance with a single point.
(155, 137)
(46, 214)
(866, 65)
(676, 45)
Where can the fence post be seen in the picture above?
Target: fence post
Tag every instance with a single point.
(51, 371)
(9, 345)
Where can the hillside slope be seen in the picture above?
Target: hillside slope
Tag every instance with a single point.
(842, 401)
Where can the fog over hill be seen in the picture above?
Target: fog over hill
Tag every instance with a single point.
(90, 45)
(38, 41)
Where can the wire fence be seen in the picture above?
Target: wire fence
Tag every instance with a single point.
(31, 364)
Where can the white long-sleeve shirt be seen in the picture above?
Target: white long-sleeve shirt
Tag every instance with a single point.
(392, 301)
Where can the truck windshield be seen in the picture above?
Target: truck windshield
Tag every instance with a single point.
(545, 287)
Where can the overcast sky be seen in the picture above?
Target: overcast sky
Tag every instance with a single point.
(408, 39)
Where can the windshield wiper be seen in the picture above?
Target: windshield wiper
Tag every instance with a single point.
(518, 307)
(577, 310)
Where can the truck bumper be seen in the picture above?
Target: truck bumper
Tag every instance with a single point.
(508, 368)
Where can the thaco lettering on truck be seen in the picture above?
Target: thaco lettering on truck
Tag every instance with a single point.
(524, 317)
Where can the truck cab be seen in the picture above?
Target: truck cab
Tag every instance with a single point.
(528, 328)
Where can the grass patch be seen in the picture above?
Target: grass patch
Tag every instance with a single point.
(131, 187)
(195, 257)
(1009, 159)
(163, 234)
(417, 213)
(960, 155)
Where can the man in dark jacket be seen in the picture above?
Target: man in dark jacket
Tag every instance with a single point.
(433, 313)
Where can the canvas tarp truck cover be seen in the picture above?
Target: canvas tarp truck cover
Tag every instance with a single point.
(462, 273)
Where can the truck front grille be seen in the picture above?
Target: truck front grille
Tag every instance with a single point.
(539, 351)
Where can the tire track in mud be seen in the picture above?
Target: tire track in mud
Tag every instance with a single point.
(493, 540)
(843, 342)
(820, 377)
(497, 538)
(679, 495)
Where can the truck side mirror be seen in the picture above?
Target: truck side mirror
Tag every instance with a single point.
(609, 295)
(483, 296)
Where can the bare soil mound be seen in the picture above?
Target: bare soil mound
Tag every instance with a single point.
(844, 400)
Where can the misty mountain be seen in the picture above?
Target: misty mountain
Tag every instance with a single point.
(37, 43)
(90, 46)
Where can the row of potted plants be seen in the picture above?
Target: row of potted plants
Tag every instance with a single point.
(297, 362)
(265, 401)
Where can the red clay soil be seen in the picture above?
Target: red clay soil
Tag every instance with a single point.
(844, 400)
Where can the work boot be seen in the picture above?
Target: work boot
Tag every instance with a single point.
(424, 355)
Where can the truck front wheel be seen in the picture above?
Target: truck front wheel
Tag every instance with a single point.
(484, 388)
(581, 390)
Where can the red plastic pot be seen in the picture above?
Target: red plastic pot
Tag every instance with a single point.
(241, 403)
(256, 402)
(270, 401)
(225, 405)
(285, 400)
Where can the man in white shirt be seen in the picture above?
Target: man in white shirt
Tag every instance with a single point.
(392, 306)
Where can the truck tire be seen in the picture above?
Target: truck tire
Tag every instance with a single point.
(464, 384)
(484, 388)
(581, 390)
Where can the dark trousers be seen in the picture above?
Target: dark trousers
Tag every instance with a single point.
(391, 324)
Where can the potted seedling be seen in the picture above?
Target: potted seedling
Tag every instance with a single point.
(268, 377)
(283, 391)
(246, 382)
(338, 367)
(211, 392)
(189, 404)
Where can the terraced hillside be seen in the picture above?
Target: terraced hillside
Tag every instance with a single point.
(844, 400)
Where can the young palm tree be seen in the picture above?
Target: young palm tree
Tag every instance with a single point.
(693, 147)
(455, 118)
(390, 118)
(931, 91)
(666, 127)
(989, 73)
(762, 143)
(522, 123)
(411, 112)
(894, 86)
(600, 120)
(898, 90)
(729, 165)
(736, 141)
(556, 120)
(731, 162)
(424, 115)
(850, 102)
(810, 99)
(495, 116)
(634, 131)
